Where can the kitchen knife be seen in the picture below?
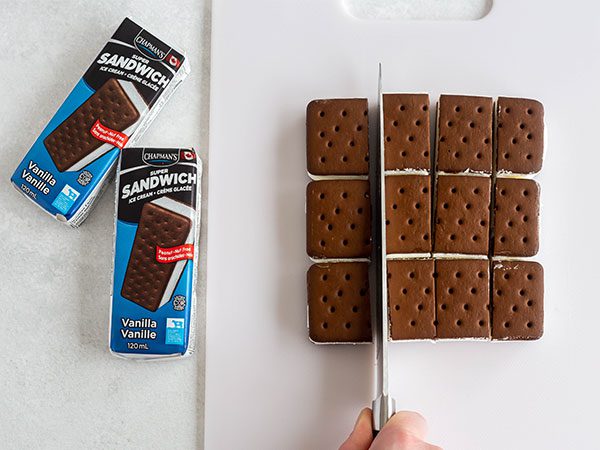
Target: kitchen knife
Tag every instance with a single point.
(384, 406)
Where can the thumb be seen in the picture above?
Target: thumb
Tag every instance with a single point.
(362, 434)
(405, 431)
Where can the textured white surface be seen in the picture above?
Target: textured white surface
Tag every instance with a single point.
(59, 387)
(263, 375)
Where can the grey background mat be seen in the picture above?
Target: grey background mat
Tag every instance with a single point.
(60, 387)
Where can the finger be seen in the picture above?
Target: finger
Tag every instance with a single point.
(404, 431)
(362, 434)
(410, 422)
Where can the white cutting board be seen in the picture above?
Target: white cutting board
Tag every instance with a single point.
(267, 386)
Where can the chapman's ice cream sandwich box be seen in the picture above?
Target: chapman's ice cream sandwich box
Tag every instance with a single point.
(156, 252)
(109, 108)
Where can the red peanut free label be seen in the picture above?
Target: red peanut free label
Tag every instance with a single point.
(109, 135)
(173, 254)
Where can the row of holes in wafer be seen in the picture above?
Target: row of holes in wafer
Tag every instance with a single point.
(340, 293)
(337, 137)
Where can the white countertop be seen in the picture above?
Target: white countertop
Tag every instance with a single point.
(60, 387)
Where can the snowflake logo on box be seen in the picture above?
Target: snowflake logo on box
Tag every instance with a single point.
(179, 303)
(84, 178)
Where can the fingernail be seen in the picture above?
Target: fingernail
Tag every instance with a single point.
(364, 415)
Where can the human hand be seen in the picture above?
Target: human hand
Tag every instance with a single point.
(404, 431)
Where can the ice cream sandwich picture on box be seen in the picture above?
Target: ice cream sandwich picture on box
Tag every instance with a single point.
(155, 252)
(102, 122)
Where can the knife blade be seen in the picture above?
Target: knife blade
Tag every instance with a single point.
(384, 406)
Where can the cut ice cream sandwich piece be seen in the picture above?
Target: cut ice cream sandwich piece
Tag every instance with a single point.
(408, 213)
(406, 132)
(517, 205)
(164, 224)
(464, 134)
(338, 219)
(338, 303)
(462, 298)
(411, 299)
(520, 135)
(337, 137)
(462, 214)
(517, 300)
(116, 105)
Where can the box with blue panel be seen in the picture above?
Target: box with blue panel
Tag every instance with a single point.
(111, 106)
(156, 253)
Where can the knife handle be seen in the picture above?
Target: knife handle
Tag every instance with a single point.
(384, 407)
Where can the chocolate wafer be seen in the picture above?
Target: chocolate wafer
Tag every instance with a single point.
(520, 135)
(72, 141)
(407, 213)
(518, 300)
(411, 299)
(146, 279)
(337, 137)
(516, 217)
(464, 134)
(338, 303)
(338, 219)
(462, 214)
(462, 298)
(406, 131)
